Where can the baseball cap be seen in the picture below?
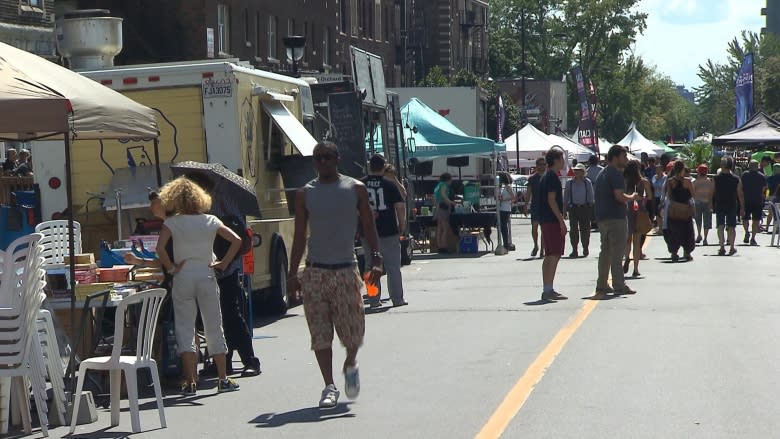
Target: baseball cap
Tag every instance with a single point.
(776, 165)
(581, 167)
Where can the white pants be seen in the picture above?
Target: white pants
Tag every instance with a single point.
(196, 288)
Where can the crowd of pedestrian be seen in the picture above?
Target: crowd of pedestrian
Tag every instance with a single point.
(629, 199)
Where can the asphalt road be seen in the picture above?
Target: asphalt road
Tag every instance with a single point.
(692, 355)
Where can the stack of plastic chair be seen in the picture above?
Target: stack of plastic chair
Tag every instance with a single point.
(55, 241)
(150, 302)
(54, 369)
(21, 295)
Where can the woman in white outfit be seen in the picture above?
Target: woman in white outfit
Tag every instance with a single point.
(194, 284)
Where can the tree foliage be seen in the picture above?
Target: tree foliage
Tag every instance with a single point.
(716, 97)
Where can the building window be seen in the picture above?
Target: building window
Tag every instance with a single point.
(272, 37)
(326, 46)
(290, 26)
(313, 38)
(343, 11)
(378, 20)
(33, 3)
(246, 27)
(223, 28)
(354, 19)
(258, 38)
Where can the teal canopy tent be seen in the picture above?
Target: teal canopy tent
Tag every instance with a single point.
(429, 134)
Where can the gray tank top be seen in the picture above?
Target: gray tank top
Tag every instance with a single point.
(333, 220)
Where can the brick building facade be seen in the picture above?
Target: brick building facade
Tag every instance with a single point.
(28, 25)
(410, 35)
(451, 34)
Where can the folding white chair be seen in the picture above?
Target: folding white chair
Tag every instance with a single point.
(55, 240)
(150, 302)
(54, 368)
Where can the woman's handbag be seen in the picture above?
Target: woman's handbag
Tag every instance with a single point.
(643, 223)
(680, 211)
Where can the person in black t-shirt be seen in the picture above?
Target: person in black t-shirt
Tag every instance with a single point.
(551, 218)
(534, 198)
(753, 185)
(390, 216)
(728, 190)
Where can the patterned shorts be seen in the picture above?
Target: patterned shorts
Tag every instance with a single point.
(333, 299)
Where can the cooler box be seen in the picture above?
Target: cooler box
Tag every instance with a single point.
(469, 243)
(471, 193)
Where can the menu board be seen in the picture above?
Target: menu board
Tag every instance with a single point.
(347, 125)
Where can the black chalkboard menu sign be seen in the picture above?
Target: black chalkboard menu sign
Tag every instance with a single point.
(345, 117)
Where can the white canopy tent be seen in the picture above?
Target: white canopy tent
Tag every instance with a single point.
(528, 143)
(637, 143)
(573, 149)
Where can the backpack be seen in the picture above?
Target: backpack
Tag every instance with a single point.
(236, 224)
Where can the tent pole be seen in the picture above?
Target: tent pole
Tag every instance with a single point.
(157, 161)
(71, 262)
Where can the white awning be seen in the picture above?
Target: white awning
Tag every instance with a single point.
(292, 128)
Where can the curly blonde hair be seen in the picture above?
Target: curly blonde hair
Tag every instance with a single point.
(183, 197)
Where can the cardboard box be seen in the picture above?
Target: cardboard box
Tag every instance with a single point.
(84, 258)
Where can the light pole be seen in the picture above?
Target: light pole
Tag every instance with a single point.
(294, 45)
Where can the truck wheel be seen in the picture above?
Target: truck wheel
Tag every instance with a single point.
(407, 249)
(278, 302)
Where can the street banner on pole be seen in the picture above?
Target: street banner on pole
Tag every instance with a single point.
(587, 127)
(744, 91)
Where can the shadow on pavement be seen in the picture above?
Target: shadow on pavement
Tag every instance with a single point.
(265, 320)
(302, 416)
(602, 297)
(104, 433)
(532, 258)
(379, 310)
(539, 302)
(437, 256)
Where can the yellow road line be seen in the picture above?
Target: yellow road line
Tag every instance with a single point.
(516, 397)
(519, 394)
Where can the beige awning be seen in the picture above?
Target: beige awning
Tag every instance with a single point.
(292, 128)
(60, 100)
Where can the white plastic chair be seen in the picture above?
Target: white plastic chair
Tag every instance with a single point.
(55, 240)
(21, 293)
(54, 368)
(150, 302)
(775, 208)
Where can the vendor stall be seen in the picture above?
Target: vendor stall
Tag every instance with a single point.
(42, 100)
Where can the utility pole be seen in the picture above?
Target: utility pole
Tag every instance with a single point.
(522, 85)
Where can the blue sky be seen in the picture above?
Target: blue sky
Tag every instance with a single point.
(682, 34)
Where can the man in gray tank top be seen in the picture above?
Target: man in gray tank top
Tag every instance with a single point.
(330, 207)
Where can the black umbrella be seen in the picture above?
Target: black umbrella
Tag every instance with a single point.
(227, 184)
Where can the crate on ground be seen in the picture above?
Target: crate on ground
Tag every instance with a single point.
(469, 243)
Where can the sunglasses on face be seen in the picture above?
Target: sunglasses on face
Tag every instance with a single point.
(324, 157)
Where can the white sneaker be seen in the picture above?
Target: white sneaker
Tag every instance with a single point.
(352, 382)
(330, 397)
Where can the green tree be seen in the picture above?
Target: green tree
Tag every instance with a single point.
(434, 78)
